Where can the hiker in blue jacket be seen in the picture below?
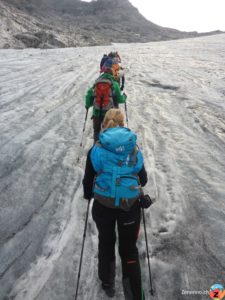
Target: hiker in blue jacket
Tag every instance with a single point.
(114, 175)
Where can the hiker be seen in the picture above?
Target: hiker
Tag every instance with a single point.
(117, 70)
(103, 60)
(114, 175)
(111, 55)
(103, 95)
(114, 55)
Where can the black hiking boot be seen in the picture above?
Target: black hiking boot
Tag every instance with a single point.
(109, 289)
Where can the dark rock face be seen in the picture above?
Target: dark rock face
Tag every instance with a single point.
(40, 39)
(71, 23)
(29, 40)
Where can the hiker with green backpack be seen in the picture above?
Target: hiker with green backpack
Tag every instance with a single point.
(114, 177)
(103, 95)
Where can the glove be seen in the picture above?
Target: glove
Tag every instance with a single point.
(87, 196)
(125, 95)
(122, 87)
(145, 201)
(87, 199)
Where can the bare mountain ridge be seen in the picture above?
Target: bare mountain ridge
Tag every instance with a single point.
(71, 23)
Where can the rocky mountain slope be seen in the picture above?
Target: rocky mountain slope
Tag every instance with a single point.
(71, 23)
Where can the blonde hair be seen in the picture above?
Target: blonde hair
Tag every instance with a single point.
(113, 118)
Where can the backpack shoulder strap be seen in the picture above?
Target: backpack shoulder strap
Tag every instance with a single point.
(133, 156)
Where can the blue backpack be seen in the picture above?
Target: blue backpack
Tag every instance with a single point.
(117, 161)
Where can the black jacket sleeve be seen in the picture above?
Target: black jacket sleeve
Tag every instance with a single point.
(89, 176)
(143, 176)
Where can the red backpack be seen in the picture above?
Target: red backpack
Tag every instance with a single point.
(103, 94)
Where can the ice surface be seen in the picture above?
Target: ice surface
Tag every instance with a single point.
(176, 105)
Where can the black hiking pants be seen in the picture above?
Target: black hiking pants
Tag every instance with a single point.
(128, 224)
(97, 122)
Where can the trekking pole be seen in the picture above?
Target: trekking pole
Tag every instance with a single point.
(82, 250)
(125, 103)
(146, 241)
(84, 128)
(81, 141)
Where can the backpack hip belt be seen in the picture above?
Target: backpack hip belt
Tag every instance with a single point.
(124, 204)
